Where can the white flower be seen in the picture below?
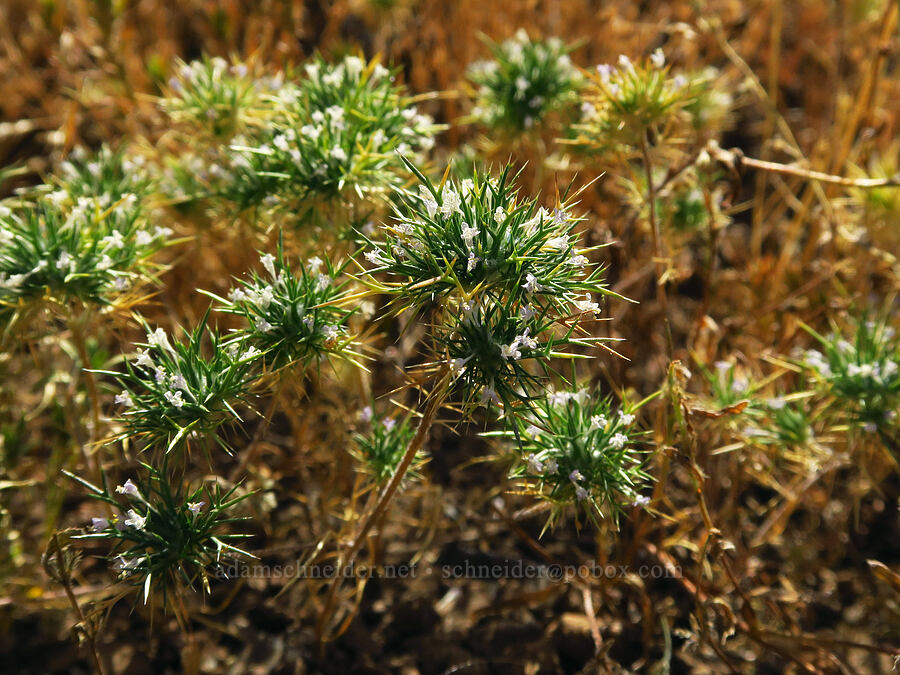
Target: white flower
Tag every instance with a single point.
(679, 82)
(625, 63)
(618, 441)
(159, 339)
(510, 351)
(105, 263)
(389, 423)
(268, 261)
(322, 282)
(337, 152)
(178, 382)
(194, 507)
(578, 260)
(626, 418)
(265, 297)
(314, 264)
(605, 71)
(598, 422)
(526, 312)
(580, 493)
(113, 240)
(135, 520)
(531, 284)
(331, 334)
(551, 466)
(65, 261)
(472, 262)
(159, 374)
(526, 341)
(125, 399)
(428, 200)
(576, 476)
(250, 353)
(535, 465)
(129, 489)
(236, 295)
(99, 524)
(558, 243)
(450, 202)
(143, 359)
(373, 257)
(489, 395)
(280, 142)
(499, 215)
(468, 234)
(586, 306)
(310, 132)
(263, 326)
(365, 414)
(641, 500)
(174, 399)
(658, 59)
(457, 366)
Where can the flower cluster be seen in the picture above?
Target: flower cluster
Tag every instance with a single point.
(340, 128)
(575, 447)
(165, 536)
(526, 81)
(507, 278)
(293, 316)
(215, 97)
(622, 101)
(863, 374)
(113, 177)
(474, 236)
(172, 392)
(86, 251)
(380, 443)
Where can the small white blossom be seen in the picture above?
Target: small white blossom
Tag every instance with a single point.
(194, 507)
(159, 339)
(135, 520)
(268, 261)
(658, 59)
(499, 215)
(314, 264)
(510, 351)
(580, 493)
(125, 399)
(338, 153)
(576, 476)
(535, 465)
(586, 306)
(626, 418)
(641, 500)
(144, 359)
(450, 202)
(598, 422)
(263, 326)
(531, 284)
(65, 261)
(99, 524)
(174, 399)
(129, 488)
(618, 441)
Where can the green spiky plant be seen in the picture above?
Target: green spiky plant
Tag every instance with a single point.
(525, 82)
(164, 536)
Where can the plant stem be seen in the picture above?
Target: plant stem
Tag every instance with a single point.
(435, 400)
(66, 582)
(661, 295)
